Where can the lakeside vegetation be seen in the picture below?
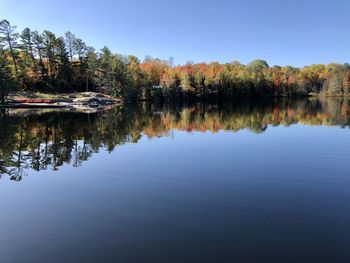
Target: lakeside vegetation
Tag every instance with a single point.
(41, 61)
(48, 139)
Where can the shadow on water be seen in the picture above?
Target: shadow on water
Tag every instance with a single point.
(41, 139)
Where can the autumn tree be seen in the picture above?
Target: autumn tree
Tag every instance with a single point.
(136, 76)
(258, 71)
(346, 80)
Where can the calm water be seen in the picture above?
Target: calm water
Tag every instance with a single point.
(240, 182)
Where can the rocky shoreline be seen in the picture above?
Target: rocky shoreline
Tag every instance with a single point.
(75, 100)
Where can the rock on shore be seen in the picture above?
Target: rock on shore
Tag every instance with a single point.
(87, 99)
(92, 99)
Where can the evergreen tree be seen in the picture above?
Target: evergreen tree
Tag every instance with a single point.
(105, 72)
(6, 81)
(49, 40)
(92, 66)
(64, 77)
(27, 45)
(69, 40)
(38, 42)
(8, 37)
(80, 49)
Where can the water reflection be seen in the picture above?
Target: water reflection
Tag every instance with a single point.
(40, 140)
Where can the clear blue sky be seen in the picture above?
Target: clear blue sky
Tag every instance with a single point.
(294, 32)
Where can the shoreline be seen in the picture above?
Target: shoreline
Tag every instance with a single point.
(66, 100)
(91, 100)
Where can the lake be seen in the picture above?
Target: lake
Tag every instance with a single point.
(255, 181)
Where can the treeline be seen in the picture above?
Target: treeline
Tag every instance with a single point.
(41, 61)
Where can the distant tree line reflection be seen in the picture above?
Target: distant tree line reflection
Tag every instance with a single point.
(43, 140)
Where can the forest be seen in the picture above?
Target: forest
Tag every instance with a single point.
(43, 62)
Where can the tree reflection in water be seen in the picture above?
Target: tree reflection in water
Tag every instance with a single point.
(43, 139)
